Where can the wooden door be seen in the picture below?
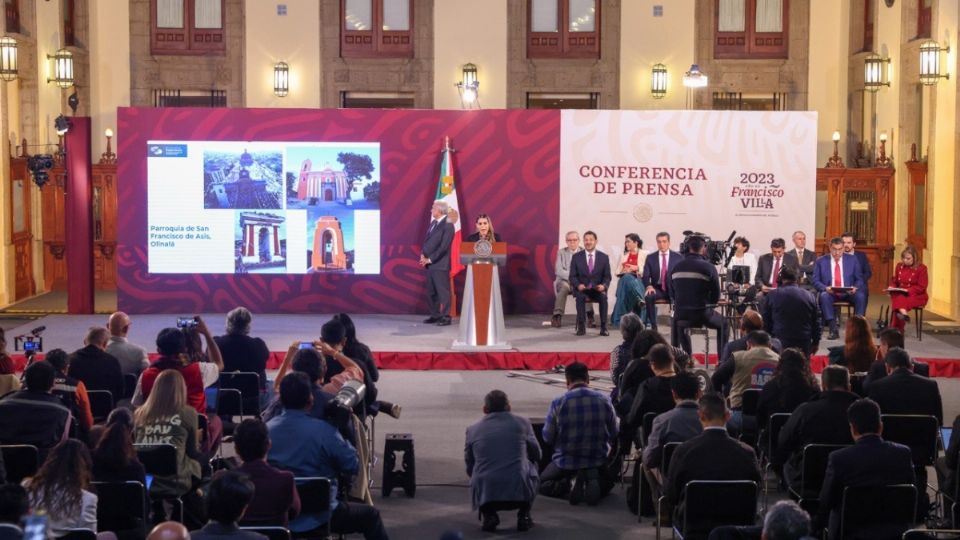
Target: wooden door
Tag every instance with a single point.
(21, 229)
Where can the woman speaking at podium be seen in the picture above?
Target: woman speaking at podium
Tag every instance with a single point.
(484, 231)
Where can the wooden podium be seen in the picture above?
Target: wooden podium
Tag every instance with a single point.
(481, 317)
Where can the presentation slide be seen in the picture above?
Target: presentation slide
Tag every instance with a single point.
(234, 207)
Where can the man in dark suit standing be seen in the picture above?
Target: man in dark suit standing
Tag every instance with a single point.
(435, 257)
(791, 315)
(871, 461)
(694, 285)
(656, 272)
(801, 258)
(590, 277)
(712, 455)
(832, 275)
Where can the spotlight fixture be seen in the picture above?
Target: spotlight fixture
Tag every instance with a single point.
(469, 86)
(281, 79)
(695, 78)
(8, 58)
(929, 63)
(62, 68)
(658, 81)
(39, 165)
(62, 124)
(874, 72)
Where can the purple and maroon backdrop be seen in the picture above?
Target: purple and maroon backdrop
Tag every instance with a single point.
(507, 166)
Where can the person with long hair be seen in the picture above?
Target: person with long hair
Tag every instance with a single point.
(859, 350)
(114, 459)
(484, 230)
(793, 383)
(166, 418)
(60, 489)
(629, 288)
(908, 287)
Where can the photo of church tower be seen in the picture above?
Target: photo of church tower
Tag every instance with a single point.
(328, 246)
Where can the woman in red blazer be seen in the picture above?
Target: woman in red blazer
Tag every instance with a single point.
(908, 287)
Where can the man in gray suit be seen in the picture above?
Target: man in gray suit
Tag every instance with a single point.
(801, 259)
(435, 257)
(501, 452)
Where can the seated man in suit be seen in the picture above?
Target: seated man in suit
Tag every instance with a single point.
(580, 425)
(904, 392)
(561, 284)
(502, 453)
(769, 267)
(832, 275)
(694, 287)
(784, 521)
(822, 420)
(887, 339)
(871, 461)
(791, 314)
(656, 272)
(801, 259)
(712, 455)
(679, 424)
(590, 277)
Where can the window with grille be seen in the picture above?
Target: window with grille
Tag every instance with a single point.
(748, 29)
(563, 29)
(924, 18)
(376, 28)
(192, 27)
(12, 12)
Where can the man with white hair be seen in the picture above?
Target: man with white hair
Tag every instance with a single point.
(133, 358)
(94, 366)
(435, 257)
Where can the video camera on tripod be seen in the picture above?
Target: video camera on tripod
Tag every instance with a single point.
(30, 343)
(718, 252)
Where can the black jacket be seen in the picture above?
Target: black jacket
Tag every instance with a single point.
(712, 455)
(821, 420)
(97, 369)
(33, 418)
(653, 396)
(436, 247)
(693, 285)
(905, 392)
(782, 395)
(244, 353)
(791, 313)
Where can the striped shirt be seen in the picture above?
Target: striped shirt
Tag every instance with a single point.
(580, 425)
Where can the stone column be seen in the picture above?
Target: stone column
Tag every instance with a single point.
(276, 240)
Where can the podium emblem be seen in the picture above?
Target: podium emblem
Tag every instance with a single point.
(482, 248)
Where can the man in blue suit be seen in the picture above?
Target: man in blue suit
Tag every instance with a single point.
(590, 277)
(834, 272)
(656, 275)
(435, 257)
(849, 247)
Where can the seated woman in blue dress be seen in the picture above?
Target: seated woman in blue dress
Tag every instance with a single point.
(630, 290)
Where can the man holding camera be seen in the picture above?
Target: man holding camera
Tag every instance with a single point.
(694, 285)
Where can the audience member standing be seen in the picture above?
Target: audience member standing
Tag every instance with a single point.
(307, 446)
(227, 500)
(133, 358)
(502, 453)
(241, 352)
(275, 499)
(34, 415)
(94, 366)
(790, 314)
(871, 461)
(61, 489)
(580, 425)
(712, 455)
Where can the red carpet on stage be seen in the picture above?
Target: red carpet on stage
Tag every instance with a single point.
(939, 367)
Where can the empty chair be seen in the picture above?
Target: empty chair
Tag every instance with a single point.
(101, 403)
(248, 384)
(712, 503)
(814, 467)
(668, 450)
(20, 460)
(161, 460)
(876, 512)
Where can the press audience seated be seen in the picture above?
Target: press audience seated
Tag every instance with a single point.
(333, 337)
(14, 505)
(166, 418)
(751, 368)
(72, 392)
(784, 520)
(34, 415)
(630, 326)
(169, 530)
(227, 500)
(871, 461)
(639, 368)
(132, 357)
(904, 392)
(172, 347)
(61, 489)
(275, 499)
(750, 322)
(946, 465)
(580, 425)
(96, 367)
(654, 394)
(501, 453)
(679, 424)
(309, 447)
(858, 350)
(793, 384)
(8, 377)
(114, 458)
(240, 351)
(886, 340)
(822, 420)
(363, 356)
(712, 455)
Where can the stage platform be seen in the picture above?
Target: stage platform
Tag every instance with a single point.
(405, 342)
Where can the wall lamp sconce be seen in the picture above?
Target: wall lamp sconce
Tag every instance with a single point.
(8, 58)
(62, 68)
(883, 160)
(695, 78)
(109, 156)
(469, 87)
(875, 72)
(658, 81)
(835, 161)
(929, 63)
(281, 79)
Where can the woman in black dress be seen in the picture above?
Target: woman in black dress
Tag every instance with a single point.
(484, 230)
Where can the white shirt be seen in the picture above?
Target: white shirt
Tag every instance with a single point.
(749, 260)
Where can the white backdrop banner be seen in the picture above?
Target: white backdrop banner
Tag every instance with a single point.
(713, 172)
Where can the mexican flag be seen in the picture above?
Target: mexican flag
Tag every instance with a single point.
(447, 192)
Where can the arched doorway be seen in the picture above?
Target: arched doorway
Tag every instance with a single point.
(263, 245)
(327, 247)
(328, 194)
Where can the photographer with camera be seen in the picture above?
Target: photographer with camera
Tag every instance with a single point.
(694, 287)
(333, 336)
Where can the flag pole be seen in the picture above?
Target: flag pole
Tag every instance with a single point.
(453, 289)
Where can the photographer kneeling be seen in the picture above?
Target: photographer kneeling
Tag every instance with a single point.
(694, 285)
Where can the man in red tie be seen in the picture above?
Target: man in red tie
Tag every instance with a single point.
(590, 277)
(839, 278)
(656, 271)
